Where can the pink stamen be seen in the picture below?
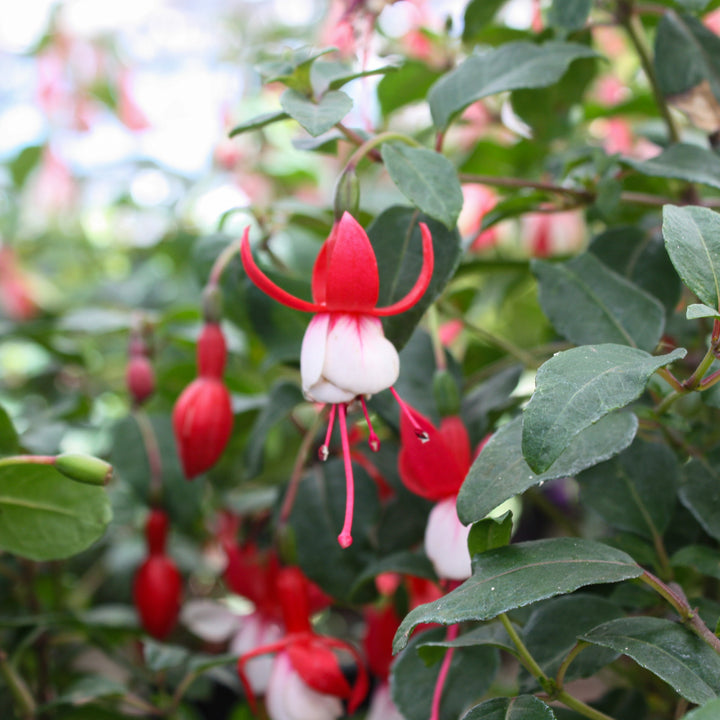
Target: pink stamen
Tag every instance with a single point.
(452, 633)
(345, 538)
(422, 436)
(373, 439)
(324, 450)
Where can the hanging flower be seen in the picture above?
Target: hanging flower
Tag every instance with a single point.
(306, 682)
(158, 585)
(202, 417)
(345, 355)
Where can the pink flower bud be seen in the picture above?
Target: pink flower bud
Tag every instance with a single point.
(156, 593)
(446, 542)
(140, 378)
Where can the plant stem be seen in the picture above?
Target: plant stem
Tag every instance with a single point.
(27, 460)
(438, 349)
(18, 688)
(521, 183)
(579, 646)
(372, 143)
(579, 706)
(634, 28)
(149, 438)
(681, 605)
(222, 261)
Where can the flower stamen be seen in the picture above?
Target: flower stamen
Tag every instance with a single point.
(373, 439)
(421, 435)
(324, 451)
(345, 538)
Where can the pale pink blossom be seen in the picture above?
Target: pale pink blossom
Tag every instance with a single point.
(446, 541)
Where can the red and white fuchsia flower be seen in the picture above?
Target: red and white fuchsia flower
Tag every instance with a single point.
(345, 355)
(202, 417)
(306, 682)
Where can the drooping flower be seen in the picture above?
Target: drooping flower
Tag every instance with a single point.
(345, 355)
(202, 417)
(157, 587)
(306, 676)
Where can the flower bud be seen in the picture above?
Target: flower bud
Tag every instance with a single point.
(202, 421)
(347, 194)
(211, 351)
(156, 530)
(156, 592)
(212, 303)
(447, 395)
(140, 378)
(84, 468)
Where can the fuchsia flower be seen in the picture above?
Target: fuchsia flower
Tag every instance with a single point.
(306, 682)
(345, 355)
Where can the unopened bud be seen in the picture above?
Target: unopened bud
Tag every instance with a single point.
(140, 378)
(447, 395)
(212, 303)
(347, 194)
(84, 468)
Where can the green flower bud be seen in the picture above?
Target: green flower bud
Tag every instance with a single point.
(84, 468)
(212, 304)
(347, 194)
(447, 395)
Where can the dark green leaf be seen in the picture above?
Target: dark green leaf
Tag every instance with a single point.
(553, 628)
(395, 237)
(682, 162)
(569, 15)
(636, 490)
(316, 117)
(500, 471)
(292, 68)
(700, 494)
(46, 516)
(24, 163)
(686, 54)
(490, 533)
(89, 688)
(521, 574)
(587, 302)
(510, 67)
(317, 518)
(709, 711)
(575, 388)
(406, 563)
(704, 559)
(692, 239)
(408, 84)
(427, 179)
(283, 397)
(479, 13)
(8, 436)
(640, 257)
(412, 683)
(329, 75)
(160, 656)
(668, 650)
(258, 122)
(492, 634)
(522, 707)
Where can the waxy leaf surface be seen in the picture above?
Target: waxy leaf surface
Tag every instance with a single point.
(575, 388)
(700, 494)
(682, 161)
(500, 471)
(522, 707)
(667, 649)
(517, 575)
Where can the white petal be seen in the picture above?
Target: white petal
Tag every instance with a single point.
(312, 352)
(289, 698)
(325, 392)
(209, 620)
(256, 632)
(382, 706)
(446, 542)
(358, 356)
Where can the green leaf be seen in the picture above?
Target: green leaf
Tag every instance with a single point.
(412, 683)
(709, 711)
(587, 302)
(575, 388)
(395, 237)
(293, 68)
(569, 15)
(636, 490)
(46, 516)
(478, 14)
(490, 533)
(260, 121)
(282, 398)
(522, 707)
(316, 117)
(668, 650)
(330, 75)
(24, 163)
(161, 656)
(521, 574)
(317, 518)
(692, 239)
(410, 83)
(512, 66)
(9, 444)
(700, 494)
(682, 161)
(640, 256)
(89, 688)
(686, 54)
(492, 634)
(406, 562)
(697, 310)
(552, 630)
(427, 179)
(704, 559)
(500, 471)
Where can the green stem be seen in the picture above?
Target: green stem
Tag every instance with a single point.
(683, 609)
(222, 261)
(579, 646)
(634, 28)
(371, 144)
(521, 183)
(27, 460)
(18, 688)
(579, 706)
(695, 379)
(152, 449)
(438, 349)
(670, 379)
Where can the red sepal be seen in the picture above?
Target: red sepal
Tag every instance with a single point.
(211, 352)
(381, 626)
(318, 667)
(435, 469)
(202, 421)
